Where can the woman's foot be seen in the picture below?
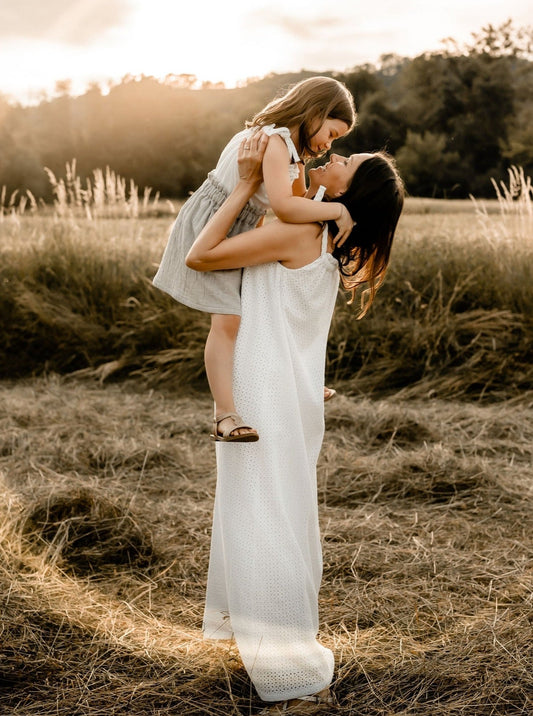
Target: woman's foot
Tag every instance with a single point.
(329, 393)
(322, 702)
(230, 428)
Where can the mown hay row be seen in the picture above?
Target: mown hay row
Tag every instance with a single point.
(428, 556)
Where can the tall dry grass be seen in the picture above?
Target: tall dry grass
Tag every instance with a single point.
(17, 203)
(104, 195)
(105, 516)
(515, 204)
(453, 318)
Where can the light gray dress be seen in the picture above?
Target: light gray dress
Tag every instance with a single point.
(216, 291)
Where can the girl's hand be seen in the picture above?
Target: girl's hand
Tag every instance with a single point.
(250, 159)
(345, 224)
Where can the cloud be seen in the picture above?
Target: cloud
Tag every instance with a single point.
(74, 22)
(334, 40)
(294, 25)
(348, 50)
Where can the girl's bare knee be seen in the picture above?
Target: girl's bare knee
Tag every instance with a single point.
(226, 325)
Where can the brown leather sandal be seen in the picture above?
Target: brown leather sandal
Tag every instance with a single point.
(324, 702)
(226, 436)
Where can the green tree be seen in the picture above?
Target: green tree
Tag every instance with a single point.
(427, 168)
(503, 40)
(469, 100)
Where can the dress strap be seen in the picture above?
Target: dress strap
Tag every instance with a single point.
(270, 129)
(320, 193)
(325, 234)
(318, 197)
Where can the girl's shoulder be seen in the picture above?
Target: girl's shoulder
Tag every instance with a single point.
(271, 129)
(285, 135)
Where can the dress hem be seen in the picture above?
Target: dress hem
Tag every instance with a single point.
(221, 637)
(195, 305)
(295, 693)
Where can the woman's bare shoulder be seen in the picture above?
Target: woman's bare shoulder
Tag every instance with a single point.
(302, 242)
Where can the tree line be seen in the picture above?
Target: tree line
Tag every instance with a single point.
(453, 119)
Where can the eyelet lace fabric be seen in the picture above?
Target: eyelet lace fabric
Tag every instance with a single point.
(266, 559)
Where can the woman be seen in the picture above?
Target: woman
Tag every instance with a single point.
(265, 566)
(303, 122)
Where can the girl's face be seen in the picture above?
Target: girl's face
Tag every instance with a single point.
(331, 129)
(337, 174)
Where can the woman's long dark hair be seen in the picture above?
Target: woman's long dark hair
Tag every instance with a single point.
(375, 201)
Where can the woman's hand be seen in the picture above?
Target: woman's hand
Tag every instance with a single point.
(250, 159)
(345, 224)
(210, 251)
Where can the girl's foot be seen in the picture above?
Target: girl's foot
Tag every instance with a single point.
(329, 393)
(321, 703)
(230, 428)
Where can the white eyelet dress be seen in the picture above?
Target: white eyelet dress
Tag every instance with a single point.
(218, 291)
(266, 559)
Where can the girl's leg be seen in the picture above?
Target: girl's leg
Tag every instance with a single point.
(218, 356)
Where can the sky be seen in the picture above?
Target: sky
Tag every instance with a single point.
(46, 41)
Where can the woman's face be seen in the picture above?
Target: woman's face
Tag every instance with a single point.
(337, 174)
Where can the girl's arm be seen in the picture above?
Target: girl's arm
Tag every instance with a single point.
(298, 186)
(297, 209)
(273, 242)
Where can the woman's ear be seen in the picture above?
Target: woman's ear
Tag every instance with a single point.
(335, 195)
(342, 191)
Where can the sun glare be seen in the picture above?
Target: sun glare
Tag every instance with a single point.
(212, 42)
(214, 45)
(229, 42)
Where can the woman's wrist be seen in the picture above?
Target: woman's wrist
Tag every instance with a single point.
(248, 187)
(339, 208)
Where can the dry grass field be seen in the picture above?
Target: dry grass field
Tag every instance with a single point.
(107, 474)
(107, 494)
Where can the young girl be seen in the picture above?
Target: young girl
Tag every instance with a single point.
(301, 124)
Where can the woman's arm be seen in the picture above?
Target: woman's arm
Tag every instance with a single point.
(297, 209)
(273, 242)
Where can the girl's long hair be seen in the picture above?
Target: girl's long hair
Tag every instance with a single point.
(375, 200)
(307, 105)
